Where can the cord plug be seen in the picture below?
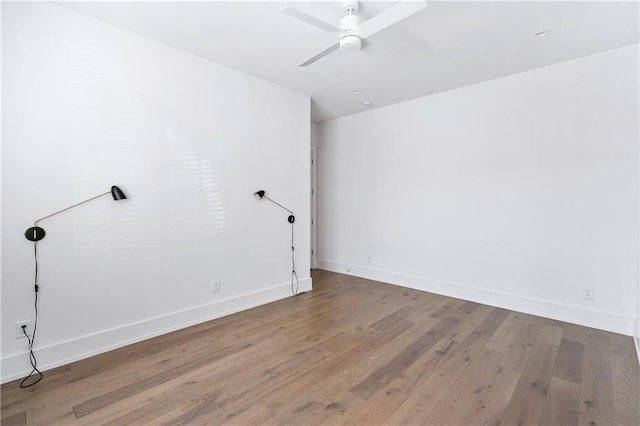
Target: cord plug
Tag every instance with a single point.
(23, 328)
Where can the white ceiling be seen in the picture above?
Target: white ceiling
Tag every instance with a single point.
(449, 44)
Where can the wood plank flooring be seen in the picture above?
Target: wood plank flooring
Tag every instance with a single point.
(352, 351)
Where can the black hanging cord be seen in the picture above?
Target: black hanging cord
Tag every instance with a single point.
(32, 338)
(294, 275)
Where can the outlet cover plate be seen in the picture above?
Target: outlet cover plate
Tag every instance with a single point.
(19, 333)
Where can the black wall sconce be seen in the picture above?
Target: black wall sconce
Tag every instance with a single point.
(35, 234)
(291, 219)
(261, 194)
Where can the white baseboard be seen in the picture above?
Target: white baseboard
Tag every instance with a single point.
(544, 308)
(636, 340)
(16, 366)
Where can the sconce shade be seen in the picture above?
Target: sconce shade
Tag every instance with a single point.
(259, 194)
(117, 193)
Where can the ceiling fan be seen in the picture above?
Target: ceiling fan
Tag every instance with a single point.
(351, 31)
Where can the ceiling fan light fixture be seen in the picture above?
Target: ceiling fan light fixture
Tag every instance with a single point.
(350, 43)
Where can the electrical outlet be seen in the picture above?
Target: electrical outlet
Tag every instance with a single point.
(368, 259)
(215, 287)
(587, 293)
(19, 333)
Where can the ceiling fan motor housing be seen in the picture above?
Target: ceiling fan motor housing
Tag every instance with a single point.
(350, 41)
(349, 22)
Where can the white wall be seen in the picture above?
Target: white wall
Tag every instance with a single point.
(85, 106)
(517, 192)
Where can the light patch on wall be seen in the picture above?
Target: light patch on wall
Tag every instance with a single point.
(107, 128)
(105, 106)
(198, 209)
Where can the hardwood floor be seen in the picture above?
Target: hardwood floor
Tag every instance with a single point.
(352, 351)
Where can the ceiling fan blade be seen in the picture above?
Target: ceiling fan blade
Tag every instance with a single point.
(389, 17)
(312, 20)
(380, 50)
(335, 46)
